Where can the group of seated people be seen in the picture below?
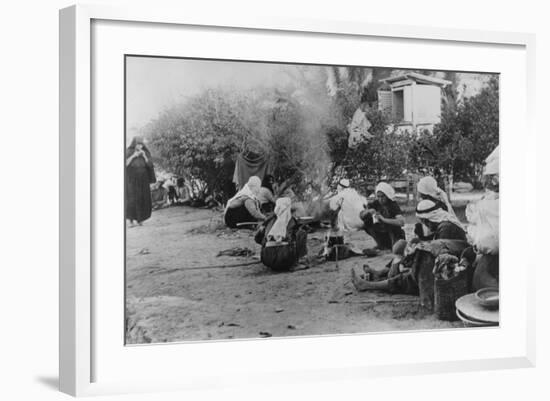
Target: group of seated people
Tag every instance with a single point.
(438, 232)
(283, 238)
(171, 191)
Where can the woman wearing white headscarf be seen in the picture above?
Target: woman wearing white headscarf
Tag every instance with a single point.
(383, 219)
(283, 240)
(439, 223)
(427, 189)
(244, 207)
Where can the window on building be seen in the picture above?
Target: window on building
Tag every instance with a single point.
(398, 111)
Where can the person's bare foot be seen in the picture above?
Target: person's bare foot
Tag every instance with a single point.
(367, 269)
(359, 283)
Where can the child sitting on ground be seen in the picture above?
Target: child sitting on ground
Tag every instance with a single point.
(394, 277)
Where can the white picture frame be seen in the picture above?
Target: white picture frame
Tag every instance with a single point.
(78, 350)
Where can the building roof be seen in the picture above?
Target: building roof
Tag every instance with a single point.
(416, 77)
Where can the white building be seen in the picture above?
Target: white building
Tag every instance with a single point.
(414, 100)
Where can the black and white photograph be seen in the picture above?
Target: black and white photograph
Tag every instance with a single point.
(269, 199)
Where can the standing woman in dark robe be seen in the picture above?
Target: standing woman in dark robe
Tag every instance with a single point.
(139, 174)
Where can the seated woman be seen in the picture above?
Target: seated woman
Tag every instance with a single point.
(265, 197)
(283, 241)
(428, 190)
(244, 206)
(159, 195)
(383, 219)
(439, 223)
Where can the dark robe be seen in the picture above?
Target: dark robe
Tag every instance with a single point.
(444, 230)
(285, 255)
(139, 174)
(385, 235)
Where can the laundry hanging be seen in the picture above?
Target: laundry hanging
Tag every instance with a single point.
(247, 165)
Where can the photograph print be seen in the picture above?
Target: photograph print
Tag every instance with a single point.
(280, 199)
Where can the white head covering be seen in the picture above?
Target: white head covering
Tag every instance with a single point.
(343, 184)
(428, 186)
(386, 189)
(428, 210)
(492, 163)
(250, 190)
(283, 213)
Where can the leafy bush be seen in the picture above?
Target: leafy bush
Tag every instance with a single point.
(302, 130)
(200, 139)
(466, 135)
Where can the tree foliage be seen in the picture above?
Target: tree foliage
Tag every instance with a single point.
(199, 140)
(302, 130)
(467, 134)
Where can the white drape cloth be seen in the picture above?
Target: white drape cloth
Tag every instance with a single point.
(283, 213)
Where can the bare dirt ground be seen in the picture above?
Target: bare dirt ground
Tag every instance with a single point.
(178, 289)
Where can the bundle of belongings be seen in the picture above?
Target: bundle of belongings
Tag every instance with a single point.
(447, 266)
(283, 239)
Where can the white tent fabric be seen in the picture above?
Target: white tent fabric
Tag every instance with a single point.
(492, 162)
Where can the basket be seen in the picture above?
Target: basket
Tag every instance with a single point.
(446, 292)
(279, 256)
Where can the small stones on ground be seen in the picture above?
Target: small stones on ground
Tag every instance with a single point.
(221, 324)
(333, 301)
(233, 325)
(265, 334)
(144, 251)
(291, 327)
(279, 310)
(348, 293)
